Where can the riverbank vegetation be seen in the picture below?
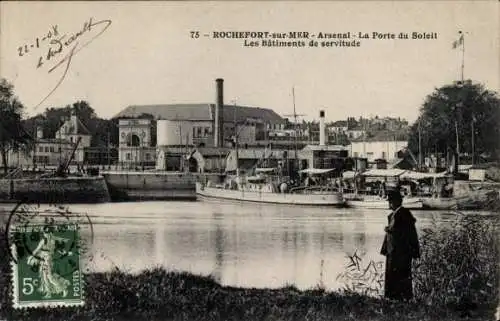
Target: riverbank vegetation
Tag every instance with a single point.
(456, 277)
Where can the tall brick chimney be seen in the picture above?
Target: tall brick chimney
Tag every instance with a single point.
(219, 113)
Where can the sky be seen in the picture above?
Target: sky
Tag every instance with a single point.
(144, 53)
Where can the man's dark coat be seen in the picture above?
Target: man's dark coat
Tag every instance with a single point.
(400, 247)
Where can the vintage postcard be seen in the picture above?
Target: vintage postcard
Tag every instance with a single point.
(273, 160)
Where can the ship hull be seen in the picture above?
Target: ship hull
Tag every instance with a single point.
(312, 199)
(379, 203)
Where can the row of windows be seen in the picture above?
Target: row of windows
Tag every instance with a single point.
(48, 149)
(199, 132)
(147, 156)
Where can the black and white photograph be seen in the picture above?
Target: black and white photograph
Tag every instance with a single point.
(250, 160)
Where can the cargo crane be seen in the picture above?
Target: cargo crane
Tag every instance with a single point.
(61, 170)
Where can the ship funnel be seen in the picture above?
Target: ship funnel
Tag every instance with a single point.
(322, 128)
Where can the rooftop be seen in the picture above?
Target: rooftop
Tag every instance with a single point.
(74, 126)
(200, 112)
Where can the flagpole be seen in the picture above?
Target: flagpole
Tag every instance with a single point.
(463, 55)
(460, 41)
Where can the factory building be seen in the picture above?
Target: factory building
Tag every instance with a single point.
(181, 128)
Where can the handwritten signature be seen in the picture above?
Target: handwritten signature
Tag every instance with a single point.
(69, 46)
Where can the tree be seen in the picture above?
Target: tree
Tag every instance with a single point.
(12, 134)
(458, 104)
(84, 112)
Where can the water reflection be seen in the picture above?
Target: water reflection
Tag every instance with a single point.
(219, 240)
(239, 244)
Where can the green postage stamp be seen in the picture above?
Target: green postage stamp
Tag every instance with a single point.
(46, 266)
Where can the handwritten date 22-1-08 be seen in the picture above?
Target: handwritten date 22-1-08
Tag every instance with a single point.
(38, 41)
(57, 45)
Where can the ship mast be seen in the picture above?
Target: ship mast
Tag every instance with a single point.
(295, 131)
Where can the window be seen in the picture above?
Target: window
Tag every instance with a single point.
(200, 131)
(46, 149)
(51, 149)
(71, 139)
(207, 131)
(194, 132)
(383, 155)
(128, 156)
(40, 149)
(148, 156)
(133, 140)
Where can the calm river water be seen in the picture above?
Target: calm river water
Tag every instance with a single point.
(240, 244)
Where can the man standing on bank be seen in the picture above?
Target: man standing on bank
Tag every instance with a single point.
(400, 247)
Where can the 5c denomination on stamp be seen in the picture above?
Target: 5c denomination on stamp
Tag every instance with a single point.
(45, 259)
(48, 273)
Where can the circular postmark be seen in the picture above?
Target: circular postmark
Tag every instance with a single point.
(47, 238)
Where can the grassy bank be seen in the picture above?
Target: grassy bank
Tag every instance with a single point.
(456, 278)
(160, 295)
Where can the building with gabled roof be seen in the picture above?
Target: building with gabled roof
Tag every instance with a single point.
(72, 130)
(202, 112)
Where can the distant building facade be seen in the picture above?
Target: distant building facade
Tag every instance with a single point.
(338, 127)
(355, 129)
(385, 149)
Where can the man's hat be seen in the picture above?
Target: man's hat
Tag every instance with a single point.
(394, 195)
